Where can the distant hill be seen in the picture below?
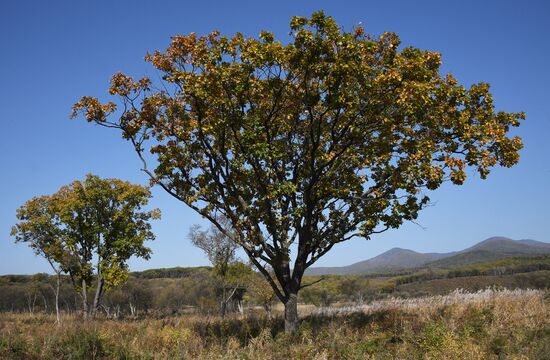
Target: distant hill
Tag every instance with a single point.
(170, 273)
(394, 259)
(492, 249)
(401, 259)
(504, 245)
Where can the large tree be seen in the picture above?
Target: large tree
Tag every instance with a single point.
(89, 229)
(304, 145)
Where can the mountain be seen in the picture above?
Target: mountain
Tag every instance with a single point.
(492, 249)
(394, 259)
(402, 259)
(534, 243)
(509, 246)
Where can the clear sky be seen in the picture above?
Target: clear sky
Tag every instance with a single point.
(53, 52)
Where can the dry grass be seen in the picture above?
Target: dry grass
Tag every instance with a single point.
(428, 303)
(483, 325)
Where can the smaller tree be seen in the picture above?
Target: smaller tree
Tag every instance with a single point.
(89, 230)
(221, 252)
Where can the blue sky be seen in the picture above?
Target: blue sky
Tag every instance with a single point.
(53, 52)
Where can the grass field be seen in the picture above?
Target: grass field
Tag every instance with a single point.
(488, 324)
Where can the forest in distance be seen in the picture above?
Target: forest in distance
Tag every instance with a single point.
(173, 291)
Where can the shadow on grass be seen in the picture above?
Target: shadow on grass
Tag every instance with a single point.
(214, 331)
(240, 329)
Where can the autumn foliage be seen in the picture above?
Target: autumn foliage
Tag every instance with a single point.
(88, 230)
(305, 144)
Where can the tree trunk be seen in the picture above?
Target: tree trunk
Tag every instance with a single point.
(97, 297)
(107, 311)
(44, 301)
(31, 300)
(267, 308)
(291, 314)
(223, 308)
(240, 308)
(132, 310)
(84, 299)
(57, 286)
(56, 290)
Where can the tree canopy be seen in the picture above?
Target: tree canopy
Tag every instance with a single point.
(305, 144)
(89, 230)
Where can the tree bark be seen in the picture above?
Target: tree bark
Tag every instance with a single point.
(267, 308)
(97, 297)
(291, 313)
(44, 301)
(223, 302)
(84, 299)
(57, 271)
(57, 286)
(31, 300)
(132, 309)
(223, 307)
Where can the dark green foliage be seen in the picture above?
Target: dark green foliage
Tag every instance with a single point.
(476, 321)
(241, 329)
(175, 272)
(82, 345)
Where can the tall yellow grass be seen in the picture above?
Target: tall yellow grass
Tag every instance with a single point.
(490, 324)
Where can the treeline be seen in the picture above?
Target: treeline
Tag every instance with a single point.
(138, 296)
(155, 293)
(161, 292)
(35, 293)
(175, 272)
(165, 292)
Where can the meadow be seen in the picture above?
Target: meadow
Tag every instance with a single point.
(487, 324)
